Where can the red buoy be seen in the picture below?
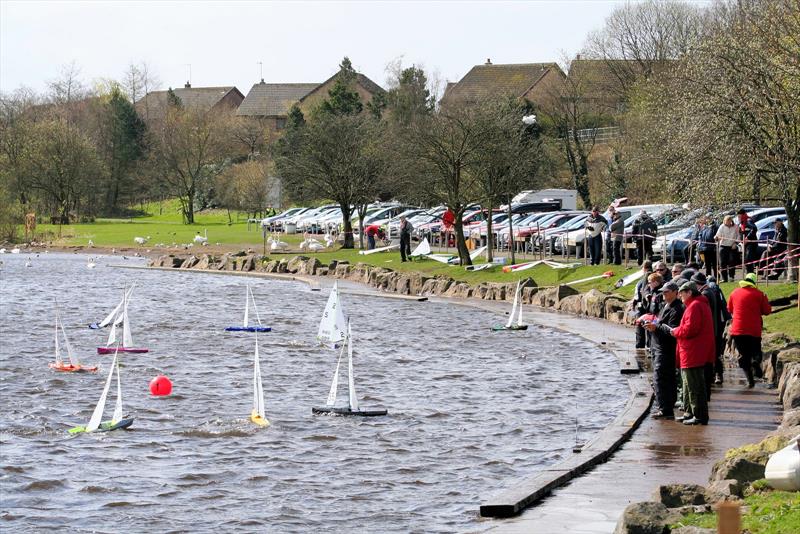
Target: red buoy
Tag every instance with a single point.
(160, 385)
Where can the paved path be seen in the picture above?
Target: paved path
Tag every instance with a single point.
(660, 452)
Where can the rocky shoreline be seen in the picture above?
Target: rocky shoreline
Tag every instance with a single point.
(731, 478)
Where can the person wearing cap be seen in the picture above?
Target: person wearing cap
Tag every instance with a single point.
(695, 336)
(595, 225)
(726, 238)
(662, 348)
(747, 304)
(748, 233)
(714, 368)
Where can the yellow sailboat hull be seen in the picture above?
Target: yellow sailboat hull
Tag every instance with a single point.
(257, 419)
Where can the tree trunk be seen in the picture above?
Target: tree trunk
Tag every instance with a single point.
(489, 238)
(461, 243)
(362, 212)
(793, 222)
(188, 208)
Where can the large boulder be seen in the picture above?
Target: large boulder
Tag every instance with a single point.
(310, 266)
(528, 294)
(175, 262)
(693, 530)
(644, 518)
(675, 495)
(789, 386)
(481, 290)
(570, 304)
(203, 262)
(283, 266)
(746, 464)
(594, 303)
(416, 283)
(342, 269)
(296, 263)
(548, 298)
(375, 275)
(247, 264)
(360, 273)
(775, 361)
(459, 290)
(724, 490)
(189, 262)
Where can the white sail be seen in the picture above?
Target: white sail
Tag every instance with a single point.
(246, 307)
(350, 380)
(335, 382)
(112, 335)
(258, 390)
(116, 311)
(58, 348)
(127, 340)
(513, 308)
(255, 308)
(423, 249)
(72, 358)
(117, 417)
(97, 415)
(519, 298)
(333, 324)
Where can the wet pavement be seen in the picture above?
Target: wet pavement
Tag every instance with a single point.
(660, 452)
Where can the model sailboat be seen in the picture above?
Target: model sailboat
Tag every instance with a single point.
(332, 326)
(515, 317)
(257, 415)
(118, 421)
(245, 323)
(74, 365)
(115, 314)
(352, 407)
(127, 339)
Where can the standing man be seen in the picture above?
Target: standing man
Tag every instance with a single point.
(609, 240)
(748, 233)
(595, 225)
(405, 238)
(776, 249)
(644, 233)
(747, 304)
(726, 237)
(707, 246)
(638, 305)
(695, 335)
(662, 348)
(617, 235)
(714, 368)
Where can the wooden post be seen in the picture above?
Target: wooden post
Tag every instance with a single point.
(729, 519)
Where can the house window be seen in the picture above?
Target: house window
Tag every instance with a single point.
(280, 123)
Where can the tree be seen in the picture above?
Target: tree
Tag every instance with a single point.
(191, 147)
(408, 96)
(342, 98)
(245, 186)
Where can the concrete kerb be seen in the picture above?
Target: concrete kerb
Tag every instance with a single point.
(525, 491)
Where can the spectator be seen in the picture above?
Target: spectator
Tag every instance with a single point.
(748, 233)
(662, 348)
(707, 246)
(747, 304)
(405, 238)
(695, 335)
(638, 306)
(595, 226)
(448, 220)
(373, 230)
(661, 268)
(726, 237)
(617, 235)
(677, 269)
(714, 367)
(644, 232)
(609, 239)
(776, 250)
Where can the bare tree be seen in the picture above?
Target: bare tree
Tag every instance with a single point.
(68, 87)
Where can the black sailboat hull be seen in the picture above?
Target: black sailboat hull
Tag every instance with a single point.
(346, 411)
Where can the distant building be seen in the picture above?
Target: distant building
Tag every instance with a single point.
(271, 102)
(603, 84)
(536, 82)
(153, 105)
(365, 88)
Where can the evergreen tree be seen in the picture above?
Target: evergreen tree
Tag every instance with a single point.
(342, 98)
(295, 119)
(173, 100)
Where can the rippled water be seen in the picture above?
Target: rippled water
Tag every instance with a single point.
(469, 409)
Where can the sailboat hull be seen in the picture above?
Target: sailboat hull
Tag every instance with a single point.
(499, 327)
(248, 329)
(105, 426)
(112, 350)
(346, 411)
(69, 368)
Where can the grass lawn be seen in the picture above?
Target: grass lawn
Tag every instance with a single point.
(767, 512)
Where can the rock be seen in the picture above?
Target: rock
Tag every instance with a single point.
(746, 464)
(175, 262)
(271, 266)
(594, 303)
(789, 386)
(459, 290)
(189, 262)
(442, 285)
(548, 298)
(644, 518)
(283, 266)
(342, 270)
(570, 304)
(203, 262)
(692, 509)
(724, 490)
(791, 418)
(376, 273)
(675, 495)
(528, 294)
(223, 262)
(248, 264)
(296, 263)
(416, 283)
(693, 530)
(322, 271)
(775, 361)
(480, 291)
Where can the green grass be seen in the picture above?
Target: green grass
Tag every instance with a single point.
(767, 512)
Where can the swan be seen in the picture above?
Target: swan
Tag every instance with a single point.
(141, 240)
(2, 251)
(15, 250)
(328, 241)
(90, 263)
(277, 245)
(316, 246)
(29, 263)
(90, 244)
(201, 239)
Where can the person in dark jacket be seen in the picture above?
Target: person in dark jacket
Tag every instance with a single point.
(662, 348)
(638, 306)
(644, 233)
(617, 235)
(405, 238)
(595, 227)
(707, 246)
(713, 370)
(776, 250)
(748, 233)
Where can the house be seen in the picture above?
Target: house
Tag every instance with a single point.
(154, 104)
(603, 84)
(271, 102)
(365, 88)
(536, 82)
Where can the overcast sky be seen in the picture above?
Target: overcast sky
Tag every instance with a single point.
(296, 41)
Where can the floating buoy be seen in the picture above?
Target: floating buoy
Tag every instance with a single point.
(160, 386)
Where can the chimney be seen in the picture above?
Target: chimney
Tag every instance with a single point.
(578, 57)
(262, 80)
(488, 61)
(187, 85)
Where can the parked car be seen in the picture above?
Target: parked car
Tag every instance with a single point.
(275, 223)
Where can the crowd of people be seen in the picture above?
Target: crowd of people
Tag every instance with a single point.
(681, 316)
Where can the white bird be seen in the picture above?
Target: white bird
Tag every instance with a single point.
(277, 245)
(2, 251)
(316, 246)
(201, 239)
(29, 263)
(15, 250)
(141, 240)
(90, 244)
(328, 240)
(90, 263)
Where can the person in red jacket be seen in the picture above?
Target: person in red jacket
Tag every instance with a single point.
(747, 304)
(695, 335)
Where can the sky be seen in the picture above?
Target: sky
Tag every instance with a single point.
(294, 41)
